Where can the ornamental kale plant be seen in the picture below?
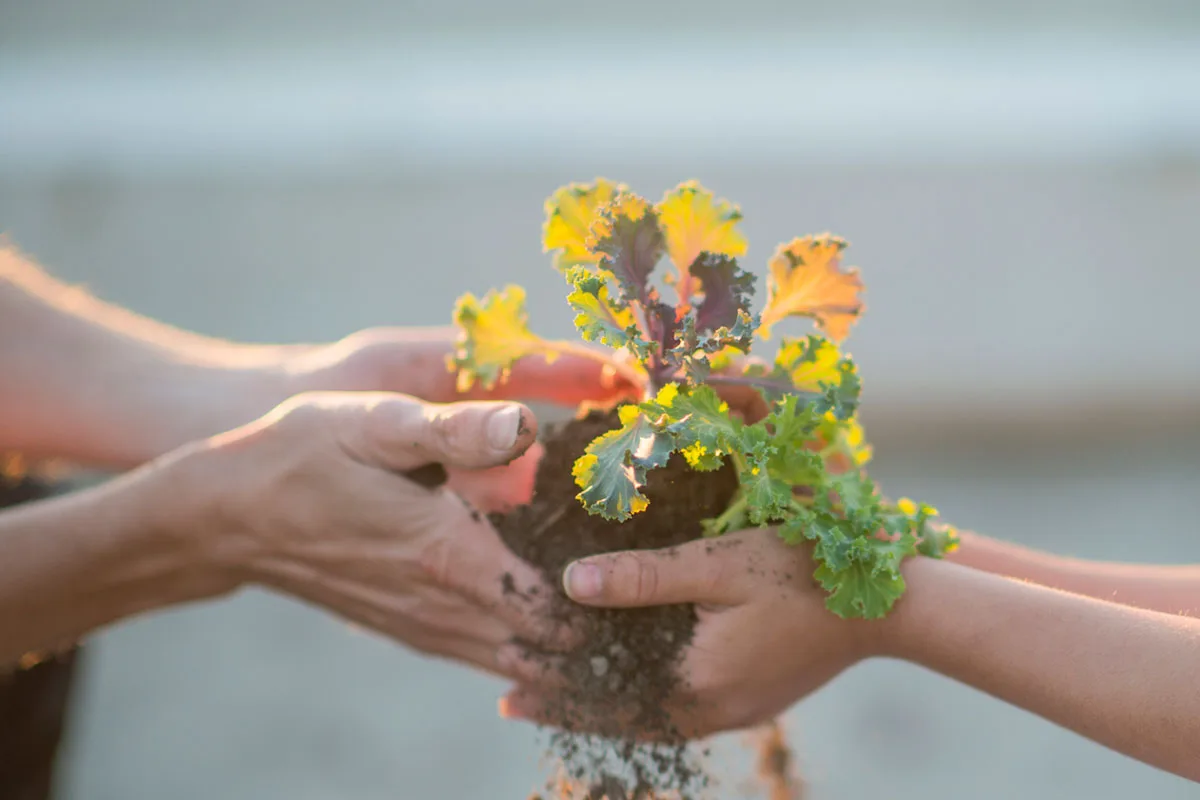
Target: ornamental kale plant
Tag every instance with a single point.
(801, 465)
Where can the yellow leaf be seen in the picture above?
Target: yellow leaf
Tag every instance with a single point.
(570, 212)
(810, 362)
(695, 223)
(807, 280)
(493, 334)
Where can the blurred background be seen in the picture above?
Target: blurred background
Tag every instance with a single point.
(1019, 181)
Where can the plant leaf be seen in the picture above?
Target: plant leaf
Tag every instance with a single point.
(811, 363)
(844, 442)
(700, 422)
(806, 280)
(841, 398)
(768, 498)
(697, 352)
(727, 290)
(570, 212)
(791, 426)
(861, 574)
(627, 237)
(695, 222)
(933, 540)
(492, 335)
(612, 470)
(663, 323)
(599, 316)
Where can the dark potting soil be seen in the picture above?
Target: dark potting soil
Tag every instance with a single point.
(626, 670)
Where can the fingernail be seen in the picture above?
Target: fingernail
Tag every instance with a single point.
(504, 427)
(508, 709)
(582, 581)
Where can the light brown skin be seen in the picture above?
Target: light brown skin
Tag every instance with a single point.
(1125, 677)
(303, 495)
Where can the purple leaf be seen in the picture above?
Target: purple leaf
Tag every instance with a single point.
(727, 289)
(660, 319)
(631, 243)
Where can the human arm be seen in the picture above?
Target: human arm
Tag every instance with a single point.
(310, 500)
(1170, 589)
(87, 381)
(1121, 676)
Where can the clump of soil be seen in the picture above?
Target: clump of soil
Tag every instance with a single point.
(626, 669)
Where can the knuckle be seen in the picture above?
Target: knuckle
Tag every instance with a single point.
(455, 433)
(636, 576)
(437, 561)
(300, 413)
(716, 576)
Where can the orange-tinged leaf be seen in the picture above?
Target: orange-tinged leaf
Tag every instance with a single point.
(492, 335)
(694, 223)
(570, 212)
(806, 279)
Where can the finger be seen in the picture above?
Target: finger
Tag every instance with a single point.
(500, 488)
(525, 704)
(399, 433)
(463, 553)
(696, 572)
(569, 380)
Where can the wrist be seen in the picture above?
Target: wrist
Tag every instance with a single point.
(189, 401)
(900, 634)
(190, 507)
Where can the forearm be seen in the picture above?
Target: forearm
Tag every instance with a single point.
(1120, 676)
(1168, 589)
(93, 383)
(71, 565)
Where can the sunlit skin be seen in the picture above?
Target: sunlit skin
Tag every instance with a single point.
(249, 466)
(1110, 651)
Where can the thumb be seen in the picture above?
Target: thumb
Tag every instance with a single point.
(696, 572)
(400, 433)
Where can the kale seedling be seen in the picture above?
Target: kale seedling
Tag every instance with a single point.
(800, 467)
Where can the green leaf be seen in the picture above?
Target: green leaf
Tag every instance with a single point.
(702, 426)
(841, 399)
(792, 425)
(612, 471)
(861, 574)
(933, 540)
(601, 317)
(695, 352)
(804, 524)
(768, 498)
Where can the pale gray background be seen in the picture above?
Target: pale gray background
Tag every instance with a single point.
(1020, 183)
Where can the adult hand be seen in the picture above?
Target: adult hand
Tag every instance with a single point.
(313, 500)
(413, 361)
(763, 640)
